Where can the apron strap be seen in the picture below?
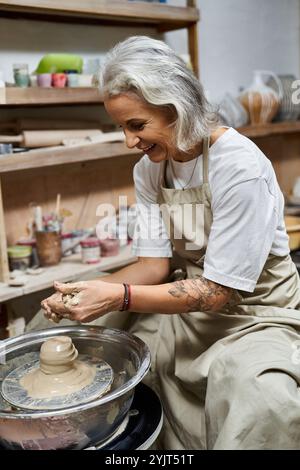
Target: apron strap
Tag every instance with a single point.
(162, 173)
(205, 159)
(163, 166)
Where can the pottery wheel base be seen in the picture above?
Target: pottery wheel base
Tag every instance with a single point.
(17, 396)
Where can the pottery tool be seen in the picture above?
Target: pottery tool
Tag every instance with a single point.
(57, 378)
(57, 208)
(38, 218)
(34, 139)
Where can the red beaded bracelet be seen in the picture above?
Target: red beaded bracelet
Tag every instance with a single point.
(127, 297)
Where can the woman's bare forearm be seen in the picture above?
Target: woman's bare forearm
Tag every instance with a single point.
(190, 295)
(145, 271)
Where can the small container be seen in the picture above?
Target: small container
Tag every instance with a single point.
(77, 237)
(44, 80)
(19, 257)
(90, 250)
(48, 246)
(33, 81)
(66, 243)
(21, 75)
(32, 243)
(73, 80)
(59, 80)
(85, 80)
(6, 149)
(110, 247)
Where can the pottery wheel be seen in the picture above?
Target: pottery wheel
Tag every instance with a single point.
(57, 378)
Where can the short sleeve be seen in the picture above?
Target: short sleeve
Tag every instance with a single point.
(150, 236)
(242, 233)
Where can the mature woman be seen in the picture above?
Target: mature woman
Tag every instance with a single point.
(223, 336)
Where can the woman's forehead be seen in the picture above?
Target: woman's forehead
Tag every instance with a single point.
(126, 102)
(130, 106)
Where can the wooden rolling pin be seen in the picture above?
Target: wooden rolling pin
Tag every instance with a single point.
(34, 139)
(100, 139)
(20, 125)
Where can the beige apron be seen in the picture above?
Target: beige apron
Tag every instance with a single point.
(227, 380)
(204, 365)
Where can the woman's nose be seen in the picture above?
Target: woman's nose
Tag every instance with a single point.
(131, 139)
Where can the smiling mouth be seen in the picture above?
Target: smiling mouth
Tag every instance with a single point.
(149, 148)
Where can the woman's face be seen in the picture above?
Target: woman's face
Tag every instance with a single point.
(146, 127)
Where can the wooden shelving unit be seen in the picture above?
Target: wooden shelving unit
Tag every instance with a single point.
(161, 17)
(111, 13)
(51, 96)
(69, 269)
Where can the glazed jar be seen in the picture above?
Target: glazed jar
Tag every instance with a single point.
(32, 243)
(19, 257)
(21, 75)
(66, 243)
(261, 101)
(90, 250)
(110, 247)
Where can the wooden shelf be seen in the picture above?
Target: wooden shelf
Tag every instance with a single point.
(71, 268)
(51, 96)
(272, 128)
(52, 156)
(105, 12)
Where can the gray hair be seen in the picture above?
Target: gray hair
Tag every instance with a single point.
(152, 70)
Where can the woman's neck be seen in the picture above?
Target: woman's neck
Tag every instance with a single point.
(186, 156)
(198, 149)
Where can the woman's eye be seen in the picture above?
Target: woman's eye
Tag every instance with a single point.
(138, 127)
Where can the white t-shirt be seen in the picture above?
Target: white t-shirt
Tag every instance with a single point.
(247, 207)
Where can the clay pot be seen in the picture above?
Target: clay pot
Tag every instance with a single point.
(48, 245)
(261, 101)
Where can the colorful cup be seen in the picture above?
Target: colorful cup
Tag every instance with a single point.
(59, 80)
(44, 80)
(33, 81)
(85, 80)
(73, 80)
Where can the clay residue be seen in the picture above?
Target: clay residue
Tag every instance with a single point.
(71, 300)
(59, 372)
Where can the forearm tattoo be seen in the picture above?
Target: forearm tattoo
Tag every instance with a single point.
(201, 294)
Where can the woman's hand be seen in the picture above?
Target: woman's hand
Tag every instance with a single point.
(83, 301)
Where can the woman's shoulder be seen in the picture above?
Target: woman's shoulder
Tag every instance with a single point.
(235, 157)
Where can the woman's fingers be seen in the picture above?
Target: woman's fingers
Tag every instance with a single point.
(70, 288)
(46, 307)
(55, 318)
(49, 314)
(56, 304)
